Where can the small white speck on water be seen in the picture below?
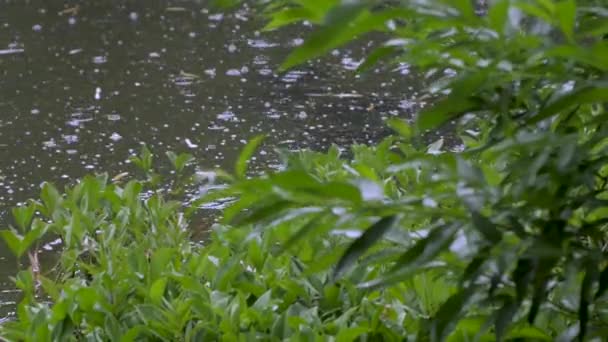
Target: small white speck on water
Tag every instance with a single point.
(97, 93)
(115, 136)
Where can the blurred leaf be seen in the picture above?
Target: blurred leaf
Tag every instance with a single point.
(416, 258)
(23, 215)
(179, 161)
(350, 334)
(14, 241)
(369, 237)
(335, 32)
(528, 333)
(458, 102)
(486, 228)
(246, 154)
(589, 279)
(377, 55)
(588, 93)
(603, 282)
(313, 224)
(400, 126)
(504, 318)
(50, 197)
(290, 15)
(498, 15)
(448, 314)
(566, 16)
(157, 290)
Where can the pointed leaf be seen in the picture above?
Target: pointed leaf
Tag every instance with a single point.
(378, 54)
(364, 242)
(334, 33)
(13, 241)
(400, 126)
(313, 224)
(504, 318)
(449, 313)
(486, 228)
(603, 283)
(246, 154)
(589, 93)
(157, 290)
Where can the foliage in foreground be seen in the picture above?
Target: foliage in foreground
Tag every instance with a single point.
(503, 240)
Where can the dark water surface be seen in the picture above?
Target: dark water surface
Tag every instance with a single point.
(84, 83)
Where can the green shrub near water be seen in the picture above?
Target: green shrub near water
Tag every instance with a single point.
(503, 240)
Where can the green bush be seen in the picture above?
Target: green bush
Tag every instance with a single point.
(503, 239)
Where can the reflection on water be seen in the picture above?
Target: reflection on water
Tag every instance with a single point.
(84, 83)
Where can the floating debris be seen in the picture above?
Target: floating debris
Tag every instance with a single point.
(190, 144)
(11, 51)
(175, 9)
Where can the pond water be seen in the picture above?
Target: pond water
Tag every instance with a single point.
(84, 83)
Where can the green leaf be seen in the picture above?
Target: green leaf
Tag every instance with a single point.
(315, 223)
(528, 333)
(351, 334)
(504, 318)
(37, 231)
(417, 256)
(261, 211)
(23, 215)
(377, 55)
(179, 161)
(161, 262)
(566, 17)
(263, 303)
(14, 241)
(50, 197)
(603, 283)
(448, 314)
(459, 101)
(400, 126)
(486, 228)
(585, 94)
(498, 15)
(132, 334)
(465, 7)
(471, 272)
(246, 154)
(290, 15)
(157, 290)
(336, 31)
(591, 275)
(364, 242)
